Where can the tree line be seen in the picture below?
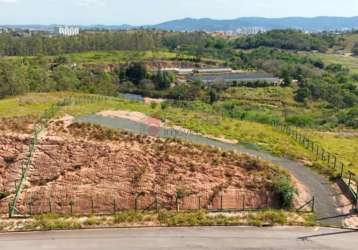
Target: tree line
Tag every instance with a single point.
(285, 39)
(139, 40)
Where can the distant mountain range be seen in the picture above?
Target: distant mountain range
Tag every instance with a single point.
(302, 23)
(206, 24)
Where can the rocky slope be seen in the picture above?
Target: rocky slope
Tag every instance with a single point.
(85, 168)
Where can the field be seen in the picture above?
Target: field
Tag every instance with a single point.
(347, 43)
(263, 94)
(348, 61)
(119, 56)
(123, 56)
(343, 145)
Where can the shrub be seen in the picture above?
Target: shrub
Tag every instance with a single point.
(4, 195)
(52, 222)
(9, 159)
(153, 105)
(285, 190)
(128, 216)
(300, 120)
(268, 217)
(93, 221)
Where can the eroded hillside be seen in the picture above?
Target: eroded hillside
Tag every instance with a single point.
(88, 167)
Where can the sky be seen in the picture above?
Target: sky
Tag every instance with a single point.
(140, 12)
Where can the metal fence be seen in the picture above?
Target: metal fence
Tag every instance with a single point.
(323, 155)
(112, 201)
(39, 126)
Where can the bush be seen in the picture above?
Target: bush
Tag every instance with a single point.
(283, 187)
(4, 195)
(52, 222)
(300, 120)
(128, 216)
(350, 117)
(269, 217)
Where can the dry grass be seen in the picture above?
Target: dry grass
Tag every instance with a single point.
(163, 218)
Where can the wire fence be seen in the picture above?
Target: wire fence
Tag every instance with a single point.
(38, 128)
(110, 201)
(321, 154)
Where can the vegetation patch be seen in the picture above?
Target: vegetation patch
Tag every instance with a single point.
(163, 218)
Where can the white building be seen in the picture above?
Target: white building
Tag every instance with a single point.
(4, 30)
(67, 31)
(250, 30)
(188, 71)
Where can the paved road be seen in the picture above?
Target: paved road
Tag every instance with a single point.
(184, 238)
(326, 206)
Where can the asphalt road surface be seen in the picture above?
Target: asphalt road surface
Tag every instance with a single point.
(288, 238)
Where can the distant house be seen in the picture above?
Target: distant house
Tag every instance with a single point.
(236, 77)
(188, 71)
(212, 70)
(67, 31)
(4, 30)
(180, 71)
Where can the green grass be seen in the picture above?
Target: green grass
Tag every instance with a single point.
(269, 94)
(27, 105)
(345, 148)
(119, 56)
(348, 61)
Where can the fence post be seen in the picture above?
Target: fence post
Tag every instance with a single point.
(221, 202)
(92, 205)
(177, 203)
(50, 205)
(114, 206)
(9, 204)
(136, 203)
(313, 204)
(317, 152)
(199, 202)
(30, 208)
(342, 169)
(357, 197)
(329, 158)
(71, 207)
(156, 203)
(243, 203)
(335, 162)
(350, 179)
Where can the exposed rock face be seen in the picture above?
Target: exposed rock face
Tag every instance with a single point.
(98, 175)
